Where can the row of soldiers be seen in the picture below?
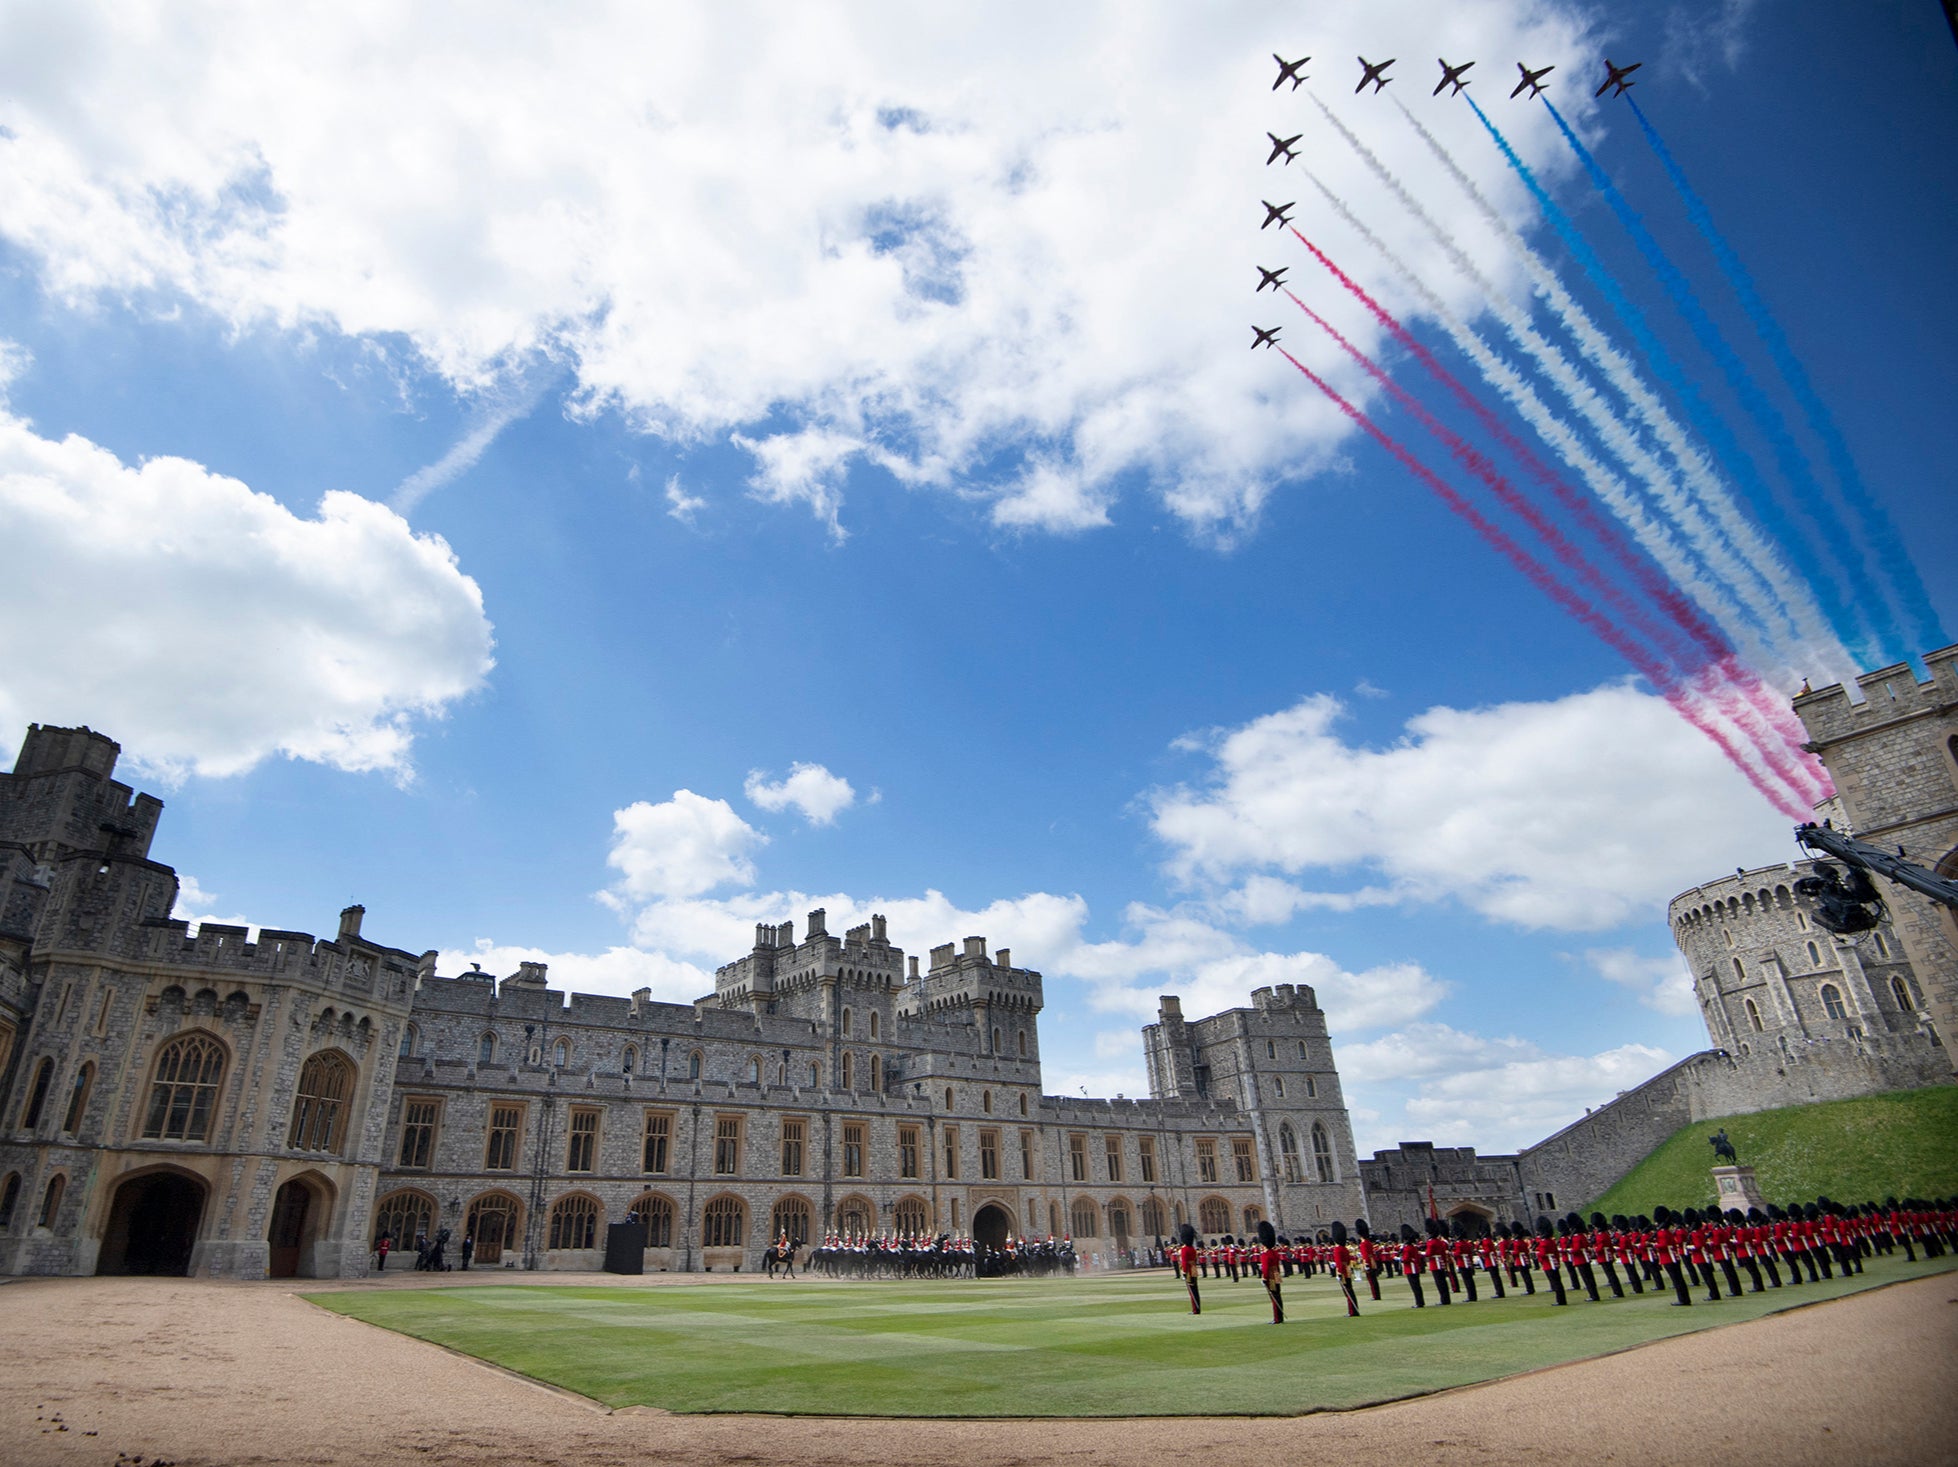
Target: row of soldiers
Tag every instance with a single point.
(1683, 1249)
(944, 1255)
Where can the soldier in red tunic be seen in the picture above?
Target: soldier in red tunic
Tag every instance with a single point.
(1342, 1267)
(1267, 1261)
(1186, 1265)
(1414, 1263)
(1546, 1257)
(1370, 1257)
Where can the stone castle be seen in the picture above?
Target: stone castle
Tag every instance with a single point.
(216, 1104)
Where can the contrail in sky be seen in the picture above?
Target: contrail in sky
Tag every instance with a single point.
(464, 453)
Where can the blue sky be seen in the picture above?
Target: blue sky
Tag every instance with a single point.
(582, 488)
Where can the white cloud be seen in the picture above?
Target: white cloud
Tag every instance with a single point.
(1576, 814)
(681, 505)
(934, 236)
(210, 627)
(1664, 983)
(682, 848)
(467, 450)
(198, 906)
(810, 788)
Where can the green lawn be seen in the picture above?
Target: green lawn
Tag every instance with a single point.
(1904, 1144)
(1119, 1346)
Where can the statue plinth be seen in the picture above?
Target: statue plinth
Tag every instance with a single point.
(1733, 1186)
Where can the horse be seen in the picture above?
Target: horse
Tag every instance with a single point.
(1723, 1149)
(783, 1257)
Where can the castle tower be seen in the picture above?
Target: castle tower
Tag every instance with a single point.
(1894, 759)
(1779, 993)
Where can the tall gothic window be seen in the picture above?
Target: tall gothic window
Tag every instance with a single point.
(1322, 1153)
(1288, 1152)
(657, 1213)
(319, 1109)
(1832, 1002)
(724, 1223)
(574, 1222)
(184, 1093)
(30, 1116)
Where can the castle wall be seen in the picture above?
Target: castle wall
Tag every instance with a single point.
(1893, 755)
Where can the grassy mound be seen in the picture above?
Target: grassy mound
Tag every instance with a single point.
(1904, 1144)
(1125, 1345)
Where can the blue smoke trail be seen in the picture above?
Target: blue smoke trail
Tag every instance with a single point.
(1843, 616)
(1888, 545)
(1710, 428)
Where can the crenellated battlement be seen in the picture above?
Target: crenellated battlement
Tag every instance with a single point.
(1887, 695)
(353, 967)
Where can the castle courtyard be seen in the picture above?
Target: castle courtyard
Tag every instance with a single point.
(124, 1370)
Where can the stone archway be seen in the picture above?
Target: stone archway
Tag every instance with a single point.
(152, 1225)
(299, 1217)
(991, 1225)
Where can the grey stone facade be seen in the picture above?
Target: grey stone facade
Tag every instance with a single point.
(825, 1085)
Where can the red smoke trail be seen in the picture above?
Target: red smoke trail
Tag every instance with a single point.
(1662, 592)
(1492, 478)
(1544, 581)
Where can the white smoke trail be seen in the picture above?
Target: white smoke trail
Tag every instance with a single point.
(1818, 638)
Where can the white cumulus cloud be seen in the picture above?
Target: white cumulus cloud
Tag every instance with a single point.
(1664, 983)
(809, 788)
(1578, 813)
(208, 627)
(680, 848)
(944, 238)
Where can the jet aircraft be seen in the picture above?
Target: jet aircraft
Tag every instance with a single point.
(1617, 78)
(1273, 278)
(1451, 76)
(1265, 336)
(1282, 145)
(1276, 213)
(1531, 79)
(1377, 74)
(1289, 71)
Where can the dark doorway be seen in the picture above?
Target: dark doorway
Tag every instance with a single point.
(990, 1225)
(290, 1210)
(152, 1225)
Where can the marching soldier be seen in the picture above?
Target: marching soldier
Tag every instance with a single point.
(1267, 1259)
(1186, 1265)
(1546, 1257)
(1414, 1263)
(1342, 1266)
(1369, 1257)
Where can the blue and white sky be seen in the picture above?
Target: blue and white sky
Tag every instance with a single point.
(584, 480)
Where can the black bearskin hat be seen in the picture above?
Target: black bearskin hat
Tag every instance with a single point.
(1622, 1223)
(1360, 1227)
(1812, 1212)
(1228, 1240)
(1408, 1235)
(1187, 1233)
(1735, 1215)
(1543, 1227)
(1267, 1234)
(1574, 1223)
(1339, 1231)
(1598, 1224)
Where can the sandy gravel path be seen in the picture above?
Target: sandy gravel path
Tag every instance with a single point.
(210, 1372)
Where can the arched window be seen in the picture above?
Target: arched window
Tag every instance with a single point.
(948, 1097)
(995, 1048)
(30, 1115)
(494, 1221)
(791, 1220)
(561, 1053)
(1023, 1044)
(51, 1199)
(1271, 1049)
(849, 1070)
(1311, 1088)
(1753, 1014)
(815, 1075)
(9, 1200)
(693, 1065)
(1213, 1217)
(1900, 991)
(873, 1023)
(656, 1212)
(184, 1094)
(1288, 1152)
(1086, 1219)
(754, 1069)
(1814, 956)
(403, 1216)
(1252, 1217)
(724, 1224)
(986, 1101)
(1302, 1053)
(486, 1049)
(1740, 973)
(408, 1038)
(1882, 948)
(325, 1082)
(1832, 1002)
(1152, 1218)
(1023, 1102)
(630, 1061)
(78, 1099)
(1322, 1153)
(574, 1222)
(876, 1071)
(846, 1023)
